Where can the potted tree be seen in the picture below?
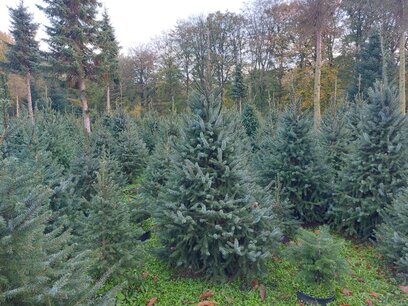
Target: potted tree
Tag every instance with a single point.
(320, 264)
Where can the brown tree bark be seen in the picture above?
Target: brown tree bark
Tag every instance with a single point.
(29, 98)
(85, 109)
(108, 101)
(317, 77)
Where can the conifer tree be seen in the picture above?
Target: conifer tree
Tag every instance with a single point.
(131, 152)
(250, 121)
(368, 68)
(38, 266)
(318, 256)
(107, 226)
(72, 38)
(156, 174)
(376, 166)
(392, 235)
(336, 138)
(107, 63)
(293, 156)
(24, 55)
(211, 217)
(238, 89)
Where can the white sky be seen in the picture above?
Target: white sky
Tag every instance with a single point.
(135, 21)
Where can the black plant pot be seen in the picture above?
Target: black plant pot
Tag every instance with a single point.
(308, 299)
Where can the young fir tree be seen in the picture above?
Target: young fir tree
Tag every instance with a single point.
(392, 235)
(107, 225)
(107, 63)
(336, 138)
(211, 217)
(156, 174)
(238, 89)
(72, 38)
(318, 256)
(250, 121)
(131, 152)
(376, 166)
(24, 55)
(368, 68)
(38, 267)
(293, 155)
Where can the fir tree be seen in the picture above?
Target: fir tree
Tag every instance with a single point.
(107, 63)
(38, 267)
(250, 121)
(318, 256)
(238, 89)
(107, 227)
(336, 138)
(156, 174)
(211, 217)
(72, 37)
(368, 67)
(131, 152)
(376, 166)
(24, 54)
(293, 156)
(392, 235)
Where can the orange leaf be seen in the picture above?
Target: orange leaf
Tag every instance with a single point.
(347, 292)
(404, 289)
(155, 279)
(374, 294)
(152, 301)
(262, 293)
(344, 304)
(369, 302)
(206, 295)
(254, 283)
(207, 303)
(317, 232)
(145, 274)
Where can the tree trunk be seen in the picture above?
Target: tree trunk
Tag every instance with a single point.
(108, 102)
(29, 98)
(316, 90)
(85, 110)
(402, 92)
(17, 107)
(384, 59)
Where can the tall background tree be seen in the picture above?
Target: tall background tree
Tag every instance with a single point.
(24, 54)
(72, 36)
(316, 17)
(107, 62)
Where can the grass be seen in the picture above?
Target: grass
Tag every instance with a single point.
(369, 280)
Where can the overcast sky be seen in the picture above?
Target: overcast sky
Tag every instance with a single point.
(136, 21)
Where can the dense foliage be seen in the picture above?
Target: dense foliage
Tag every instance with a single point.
(211, 217)
(376, 167)
(293, 157)
(318, 256)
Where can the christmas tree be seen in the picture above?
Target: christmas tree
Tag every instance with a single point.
(318, 256)
(250, 121)
(238, 88)
(392, 235)
(38, 266)
(376, 166)
(211, 218)
(293, 156)
(107, 227)
(368, 67)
